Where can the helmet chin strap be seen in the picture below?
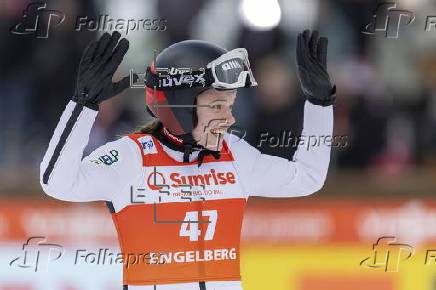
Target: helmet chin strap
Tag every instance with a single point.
(188, 139)
(187, 146)
(192, 145)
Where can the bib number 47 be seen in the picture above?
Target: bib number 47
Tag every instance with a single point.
(190, 228)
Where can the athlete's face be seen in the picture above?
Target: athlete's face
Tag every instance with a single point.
(214, 117)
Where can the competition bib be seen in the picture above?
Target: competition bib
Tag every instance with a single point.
(183, 223)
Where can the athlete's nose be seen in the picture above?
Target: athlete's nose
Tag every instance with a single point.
(229, 117)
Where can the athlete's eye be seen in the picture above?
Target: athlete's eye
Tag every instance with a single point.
(217, 107)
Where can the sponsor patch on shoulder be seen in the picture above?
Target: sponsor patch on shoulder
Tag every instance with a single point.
(147, 145)
(107, 159)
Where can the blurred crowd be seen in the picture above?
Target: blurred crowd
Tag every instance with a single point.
(386, 98)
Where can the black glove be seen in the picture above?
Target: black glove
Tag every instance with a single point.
(96, 69)
(312, 69)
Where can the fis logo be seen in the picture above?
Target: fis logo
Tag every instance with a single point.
(147, 145)
(389, 20)
(37, 20)
(230, 65)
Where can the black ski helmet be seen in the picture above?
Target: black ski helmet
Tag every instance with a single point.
(192, 54)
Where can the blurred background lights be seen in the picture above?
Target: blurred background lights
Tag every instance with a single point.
(260, 14)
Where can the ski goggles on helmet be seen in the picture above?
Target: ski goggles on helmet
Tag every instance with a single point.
(229, 71)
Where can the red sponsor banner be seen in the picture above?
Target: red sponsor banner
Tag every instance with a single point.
(311, 220)
(299, 220)
(59, 221)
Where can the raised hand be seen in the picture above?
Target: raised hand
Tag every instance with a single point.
(99, 62)
(312, 69)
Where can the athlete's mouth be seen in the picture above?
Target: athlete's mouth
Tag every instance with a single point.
(218, 131)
